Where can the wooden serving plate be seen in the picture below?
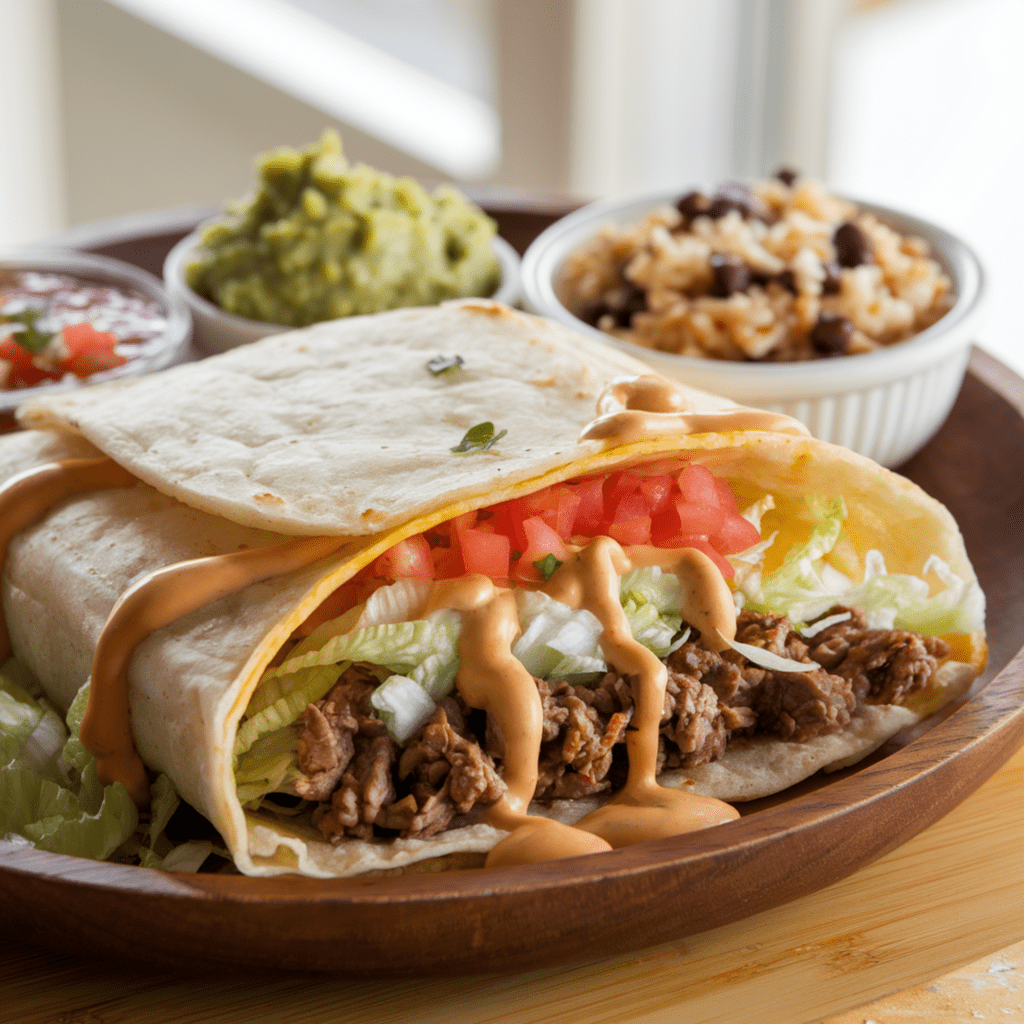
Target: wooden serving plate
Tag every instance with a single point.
(516, 919)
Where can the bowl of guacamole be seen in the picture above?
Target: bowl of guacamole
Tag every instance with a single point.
(319, 238)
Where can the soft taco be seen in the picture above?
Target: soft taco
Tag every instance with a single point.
(454, 582)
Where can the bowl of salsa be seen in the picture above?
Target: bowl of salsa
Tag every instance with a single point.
(69, 319)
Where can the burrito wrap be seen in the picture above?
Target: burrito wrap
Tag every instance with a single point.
(191, 681)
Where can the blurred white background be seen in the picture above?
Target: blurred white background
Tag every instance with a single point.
(115, 107)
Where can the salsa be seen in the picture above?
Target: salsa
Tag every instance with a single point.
(56, 325)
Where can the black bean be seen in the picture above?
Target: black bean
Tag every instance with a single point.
(730, 274)
(831, 334)
(692, 205)
(720, 207)
(786, 176)
(593, 312)
(833, 278)
(760, 277)
(852, 246)
(735, 196)
(633, 300)
(788, 281)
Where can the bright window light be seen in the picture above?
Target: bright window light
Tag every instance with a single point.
(340, 75)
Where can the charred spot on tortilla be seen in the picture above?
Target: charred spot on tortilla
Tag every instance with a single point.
(266, 498)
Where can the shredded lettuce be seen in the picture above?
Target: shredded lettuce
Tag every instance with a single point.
(50, 794)
(653, 601)
(806, 586)
(397, 646)
(164, 801)
(421, 655)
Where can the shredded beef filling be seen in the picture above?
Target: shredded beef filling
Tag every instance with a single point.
(365, 785)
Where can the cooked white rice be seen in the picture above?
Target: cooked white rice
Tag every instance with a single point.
(654, 283)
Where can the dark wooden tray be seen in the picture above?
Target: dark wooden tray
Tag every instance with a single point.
(523, 918)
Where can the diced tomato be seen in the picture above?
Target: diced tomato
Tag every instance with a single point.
(409, 557)
(665, 528)
(726, 499)
(736, 534)
(485, 552)
(701, 544)
(631, 531)
(631, 506)
(700, 519)
(567, 503)
(23, 373)
(541, 541)
(618, 485)
(464, 522)
(658, 491)
(698, 485)
(90, 351)
(590, 511)
(447, 562)
(14, 353)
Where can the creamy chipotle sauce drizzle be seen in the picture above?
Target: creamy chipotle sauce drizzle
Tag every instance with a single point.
(155, 601)
(490, 678)
(648, 406)
(28, 496)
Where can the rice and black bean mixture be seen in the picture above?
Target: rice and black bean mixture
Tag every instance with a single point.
(777, 271)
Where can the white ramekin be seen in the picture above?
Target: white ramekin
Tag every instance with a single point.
(217, 331)
(884, 404)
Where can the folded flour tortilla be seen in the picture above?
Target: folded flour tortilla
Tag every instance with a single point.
(341, 430)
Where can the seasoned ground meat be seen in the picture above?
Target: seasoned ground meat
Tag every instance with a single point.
(366, 786)
(326, 739)
(693, 720)
(577, 742)
(793, 705)
(884, 666)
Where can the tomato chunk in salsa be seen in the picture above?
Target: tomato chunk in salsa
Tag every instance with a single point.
(53, 325)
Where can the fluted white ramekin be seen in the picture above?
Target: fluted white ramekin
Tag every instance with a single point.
(884, 404)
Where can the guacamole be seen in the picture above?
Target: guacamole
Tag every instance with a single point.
(320, 239)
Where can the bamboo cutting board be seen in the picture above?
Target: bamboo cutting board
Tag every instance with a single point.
(950, 895)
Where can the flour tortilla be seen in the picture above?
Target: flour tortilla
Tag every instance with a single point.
(294, 416)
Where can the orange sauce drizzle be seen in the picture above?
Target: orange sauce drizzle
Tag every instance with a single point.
(27, 497)
(649, 406)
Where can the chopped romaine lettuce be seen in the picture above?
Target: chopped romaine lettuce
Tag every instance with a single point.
(653, 601)
(403, 706)
(806, 586)
(49, 791)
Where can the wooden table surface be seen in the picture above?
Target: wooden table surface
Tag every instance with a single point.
(949, 896)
